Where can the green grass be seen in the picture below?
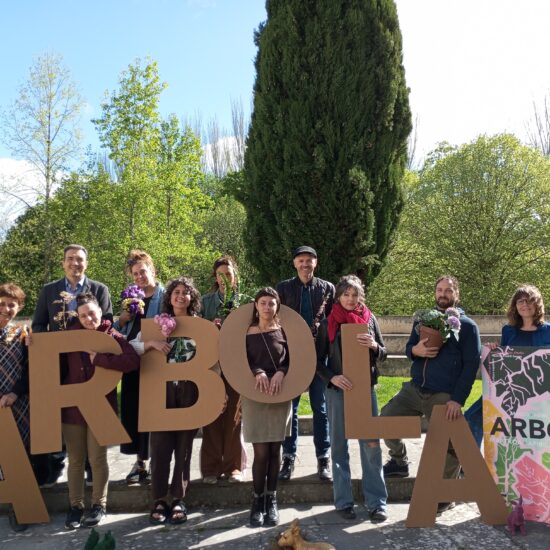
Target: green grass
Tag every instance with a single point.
(387, 387)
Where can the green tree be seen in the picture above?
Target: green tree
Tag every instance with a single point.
(157, 191)
(42, 127)
(481, 212)
(328, 138)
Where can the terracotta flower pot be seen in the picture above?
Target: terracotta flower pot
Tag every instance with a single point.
(434, 337)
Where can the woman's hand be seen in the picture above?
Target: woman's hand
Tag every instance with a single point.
(340, 381)
(492, 345)
(365, 339)
(92, 355)
(125, 318)
(262, 382)
(159, 345)
(7, 400)
(276, 382)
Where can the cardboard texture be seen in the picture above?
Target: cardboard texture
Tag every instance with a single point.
(19, 485)
(234, 361)
(430, 488)
(155, 372)
(360, 424)
(89, 397)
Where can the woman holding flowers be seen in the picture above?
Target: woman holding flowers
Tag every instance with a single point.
(142, 299)
(222, 451)
(349, 307)
(526, 328)
(181, 299)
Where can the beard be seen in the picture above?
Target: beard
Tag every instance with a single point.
(444, 303)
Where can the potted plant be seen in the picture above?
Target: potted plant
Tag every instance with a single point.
(437, 326)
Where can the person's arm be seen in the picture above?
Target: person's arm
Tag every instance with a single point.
(127, 361)
(41, 319)
(21, 386)
(470, 345)
(330, 300)
(381, 352)
(322, 347)
(104, 299)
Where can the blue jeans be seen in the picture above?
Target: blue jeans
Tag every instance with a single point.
(320, 421)
(374, 488)
(474, 417)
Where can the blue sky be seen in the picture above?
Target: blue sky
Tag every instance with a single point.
(473, 66)
(204, 48)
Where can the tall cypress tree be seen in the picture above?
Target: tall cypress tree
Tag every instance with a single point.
(327, 144)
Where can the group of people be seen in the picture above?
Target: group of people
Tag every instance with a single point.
(439, 376)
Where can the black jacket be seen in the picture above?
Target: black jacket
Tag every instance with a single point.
(329, 355)
(43, 319)
(290, 292)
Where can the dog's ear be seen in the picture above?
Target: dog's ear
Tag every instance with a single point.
(294, 523)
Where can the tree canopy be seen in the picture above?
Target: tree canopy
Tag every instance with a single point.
(328, 137)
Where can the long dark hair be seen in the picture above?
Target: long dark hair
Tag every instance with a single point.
(187, 283)
(271, 293)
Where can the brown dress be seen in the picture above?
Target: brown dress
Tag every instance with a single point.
(266, 422)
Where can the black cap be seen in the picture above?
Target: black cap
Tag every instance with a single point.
(304, 250)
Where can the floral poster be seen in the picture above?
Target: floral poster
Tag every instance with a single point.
(516, 425)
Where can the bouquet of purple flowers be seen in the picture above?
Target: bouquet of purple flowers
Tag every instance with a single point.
(166, 323)
(132, 300)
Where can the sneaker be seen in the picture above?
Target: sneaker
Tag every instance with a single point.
(444, 507)
(323, 469)
(235, 477)
(347, 513)
(210, 480)
(138, 474)
(378, 514)
(74, 516)
(287, 468)
(393, 469)
(94, 516)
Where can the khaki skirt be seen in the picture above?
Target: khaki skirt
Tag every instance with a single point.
(265, 422)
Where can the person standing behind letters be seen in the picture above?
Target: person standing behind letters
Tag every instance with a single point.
(439, 377)
(56, 310)
(312, 298)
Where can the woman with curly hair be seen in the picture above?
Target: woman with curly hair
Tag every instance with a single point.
(526, 328)
(222, 450)
(181, 299)
(141, 268)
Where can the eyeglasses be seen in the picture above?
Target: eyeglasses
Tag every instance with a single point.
(524, 302)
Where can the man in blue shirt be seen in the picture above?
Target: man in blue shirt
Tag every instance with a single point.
(55, 311)
(312, 298)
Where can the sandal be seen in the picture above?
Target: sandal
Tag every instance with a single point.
(178, 513)
(138, 474)
(160, 513)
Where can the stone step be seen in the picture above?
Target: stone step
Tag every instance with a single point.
(400, 365)
(401, 324)
(396, 343)
(225, 495)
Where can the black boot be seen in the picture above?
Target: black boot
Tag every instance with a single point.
(271, 511)
(286, 468)
(257, 511)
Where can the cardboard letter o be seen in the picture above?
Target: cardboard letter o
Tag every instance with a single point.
(234, 362)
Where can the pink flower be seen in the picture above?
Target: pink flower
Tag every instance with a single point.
(166, 323)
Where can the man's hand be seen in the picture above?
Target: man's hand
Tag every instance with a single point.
(276, 382)
(262, 382)
(7, 400)
(340, 381)
(454, 410)
(421, 350)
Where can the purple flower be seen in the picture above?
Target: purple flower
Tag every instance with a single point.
(166, 323)
(452, 311)
(132, 291)
(453, 322)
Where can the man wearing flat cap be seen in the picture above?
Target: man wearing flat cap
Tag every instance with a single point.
(312, 298)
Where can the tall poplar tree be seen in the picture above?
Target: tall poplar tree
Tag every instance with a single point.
(328, 139)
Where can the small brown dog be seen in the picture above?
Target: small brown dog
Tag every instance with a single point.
(293, 538)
